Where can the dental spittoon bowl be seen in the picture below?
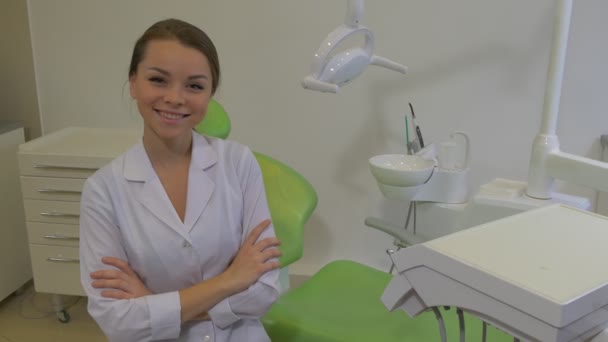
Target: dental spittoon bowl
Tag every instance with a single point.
(401, 170)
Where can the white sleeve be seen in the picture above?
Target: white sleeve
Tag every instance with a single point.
(148, 318)
(255, 301)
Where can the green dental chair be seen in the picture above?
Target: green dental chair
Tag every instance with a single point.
(341, 302)
(291, 198)
(216, 122)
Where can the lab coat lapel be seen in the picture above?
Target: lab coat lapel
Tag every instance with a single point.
(200, 184)
(148, 190)
(155, 199)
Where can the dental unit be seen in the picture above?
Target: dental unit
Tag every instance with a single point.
(538, 293)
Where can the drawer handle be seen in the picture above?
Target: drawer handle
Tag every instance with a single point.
(61, 237)
(56, 191)
(65, 260)
(59, 214)
(59, 167)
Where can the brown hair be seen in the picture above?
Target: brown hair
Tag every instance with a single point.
(185, 33)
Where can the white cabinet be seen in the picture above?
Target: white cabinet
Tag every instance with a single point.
(15, 268)
(53, 170)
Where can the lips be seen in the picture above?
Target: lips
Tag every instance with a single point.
(171, 115)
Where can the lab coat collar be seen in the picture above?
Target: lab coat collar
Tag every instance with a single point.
(138, 168)
(200, 185)
(203, 155)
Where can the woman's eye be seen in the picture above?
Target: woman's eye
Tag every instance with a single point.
(156, 79)
(196, 86)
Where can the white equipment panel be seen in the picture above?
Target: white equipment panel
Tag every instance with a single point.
(541, 275)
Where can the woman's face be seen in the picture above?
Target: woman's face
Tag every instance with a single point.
(172, 87)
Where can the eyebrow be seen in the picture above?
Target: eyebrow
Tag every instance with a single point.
(166, 73)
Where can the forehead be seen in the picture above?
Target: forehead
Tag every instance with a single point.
(173, 56)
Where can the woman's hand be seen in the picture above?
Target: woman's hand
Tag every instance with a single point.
(123, 283)
(252, 259)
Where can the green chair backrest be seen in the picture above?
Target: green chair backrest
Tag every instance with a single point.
(216, 122)
(291, 200)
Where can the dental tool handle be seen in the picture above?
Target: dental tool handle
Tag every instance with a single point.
(354, 13)
(387, 63)
(310, 82)
(419, 134)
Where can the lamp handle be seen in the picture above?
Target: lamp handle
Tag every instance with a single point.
(354, 13)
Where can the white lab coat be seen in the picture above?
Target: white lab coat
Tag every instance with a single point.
(126, 213)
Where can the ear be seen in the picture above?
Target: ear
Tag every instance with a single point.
(132, 86)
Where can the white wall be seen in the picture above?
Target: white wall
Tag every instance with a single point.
(17, 82)
(476, 65)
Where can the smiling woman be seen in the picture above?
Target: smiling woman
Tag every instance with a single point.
(172, 87)
(175, 237)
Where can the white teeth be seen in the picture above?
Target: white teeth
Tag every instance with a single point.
(170, 116)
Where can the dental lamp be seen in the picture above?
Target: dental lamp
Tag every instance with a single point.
(547, 161)
(332, 68)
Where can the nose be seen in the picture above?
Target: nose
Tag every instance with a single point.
(174, 96)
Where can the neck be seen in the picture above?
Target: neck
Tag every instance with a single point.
(167, 152)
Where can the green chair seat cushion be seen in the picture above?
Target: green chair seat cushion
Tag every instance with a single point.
(291, 201)
(216, 122)
(342, 303)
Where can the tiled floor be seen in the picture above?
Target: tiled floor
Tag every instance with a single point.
(27, 318)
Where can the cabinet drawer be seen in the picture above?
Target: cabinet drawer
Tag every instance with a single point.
(52, 211)
(53, 234)
(44, 188)
(56, 270)
(59, 166)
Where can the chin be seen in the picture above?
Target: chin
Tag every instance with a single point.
(167, 133)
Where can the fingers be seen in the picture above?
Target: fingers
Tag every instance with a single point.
(116, 284)
(108, 274)
(118, 263)
(269, 266)
(268, 242)
(271, 253)
(116, 294)
(254, 235)
(110, 279)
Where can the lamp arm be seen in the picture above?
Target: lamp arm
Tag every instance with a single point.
(354, 13)
(557, 63)
(579, 170)
(540, 182)
(387, 63)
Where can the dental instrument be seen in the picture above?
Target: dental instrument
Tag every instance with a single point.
(408, 143)
(416, 127)
(415, 145)
(330, 69)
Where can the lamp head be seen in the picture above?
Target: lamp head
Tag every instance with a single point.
(331, 69)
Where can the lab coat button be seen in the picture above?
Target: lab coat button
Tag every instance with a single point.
(187, 245)
(206, 338)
